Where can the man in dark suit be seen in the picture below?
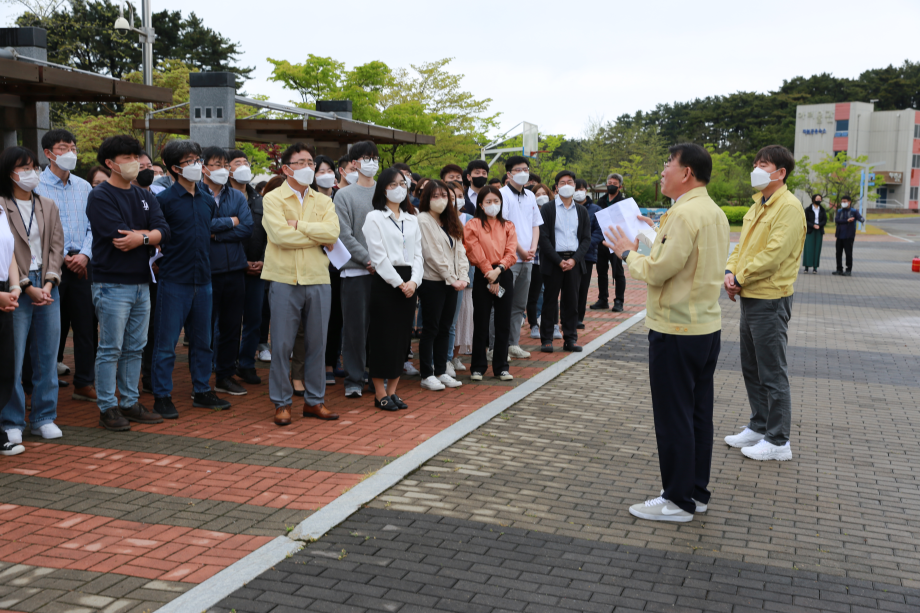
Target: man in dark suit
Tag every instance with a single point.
(607, 260)
(564, 241)
(845, 219)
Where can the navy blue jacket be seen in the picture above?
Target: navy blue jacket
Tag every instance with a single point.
(187, 257)
(255, 244)
(228, 242)
(844, 228)
(597, 235)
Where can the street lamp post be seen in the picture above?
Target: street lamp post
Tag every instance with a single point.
(863, 189)
(146, 35)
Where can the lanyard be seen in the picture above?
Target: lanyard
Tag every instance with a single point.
(31, 218)
(401, 227)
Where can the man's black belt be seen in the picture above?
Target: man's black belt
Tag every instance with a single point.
(565, 255)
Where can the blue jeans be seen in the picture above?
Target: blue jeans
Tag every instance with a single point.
(182, 305)
(123, 312)
(44, 322)
(252, 320)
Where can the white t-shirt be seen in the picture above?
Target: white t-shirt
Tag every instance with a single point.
(523, 212)
(7, 244)
(35, 235)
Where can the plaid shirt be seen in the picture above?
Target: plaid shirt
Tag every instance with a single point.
(70, 199)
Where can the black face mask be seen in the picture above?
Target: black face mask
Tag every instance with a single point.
(479, 181)
(612, 189)
(145, 177)
(816, 202)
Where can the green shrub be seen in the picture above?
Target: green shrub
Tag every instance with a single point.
(735, 214)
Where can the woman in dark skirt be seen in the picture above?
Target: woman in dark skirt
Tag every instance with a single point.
(815, 220)
(394, 243)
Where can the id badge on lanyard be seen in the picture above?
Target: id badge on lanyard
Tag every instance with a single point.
(401, 227)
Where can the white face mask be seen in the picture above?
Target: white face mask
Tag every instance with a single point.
(566, 191)
(843, 205)
(459, 201)
(541, 200)
(438, 205)
(28, 180)
(326, 181)
(760, 179)
(492, 209)
(304, 175)
(66, 161)
(243, 174)
(521, 178)
(397, 194)
(369, 169)
(580, 195)
(351, 177)
(192, 173)
(219, 176)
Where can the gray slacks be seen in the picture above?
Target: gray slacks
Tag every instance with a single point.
(292, 305)
(764, 336)
(521, 272)
(356, 307)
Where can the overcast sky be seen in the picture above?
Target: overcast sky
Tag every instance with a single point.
(557, 64)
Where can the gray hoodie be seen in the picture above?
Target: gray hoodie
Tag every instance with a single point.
(352, 204)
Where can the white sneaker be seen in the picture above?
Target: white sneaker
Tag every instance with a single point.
(449, 381)
(458, 365)
(506, 376)
(534, 331)
(660, 509)
(265, 355)
(432, 383)
(11, 449)
(474, 376)
(700, 507)
(557, 333)
(768, 451)
(48, 431)
(747, 438)
(63, 369)
(489, 353)
(449, 369)
(409, 369)
(14, 436)
(515, 351)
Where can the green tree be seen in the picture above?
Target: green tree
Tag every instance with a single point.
(637, 181)
(834, 178)
(730, 183)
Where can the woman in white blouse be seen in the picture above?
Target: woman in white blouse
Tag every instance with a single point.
(394, 243)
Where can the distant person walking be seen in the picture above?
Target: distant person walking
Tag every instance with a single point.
(815, 220)
(845, 219)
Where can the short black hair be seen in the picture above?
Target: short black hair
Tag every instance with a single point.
(235, 154)
(53, 137)
(319, 160)
(535, 178)
(297, 148)
(451, 168)
(779, 156)
(121, 144)
(846, 197)
(361, 149)
(402, 167)
(581, 183)
(497, 181)
(416, 177)
(694, 157)
(342, 161)
(514, 160)
(9, 160)
(813, 196)
(564, 173)
(177, 149)
(473, 165)
(379, 199)
(213, 152)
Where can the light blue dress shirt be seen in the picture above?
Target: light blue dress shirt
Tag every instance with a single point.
(70, 198)
(566, 227)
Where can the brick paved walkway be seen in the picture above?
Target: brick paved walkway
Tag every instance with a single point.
(529, 512)
(122, 522)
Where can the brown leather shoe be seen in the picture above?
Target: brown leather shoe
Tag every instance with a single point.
(141, 415)
(87, 393)
(283, 416)
(319, 411)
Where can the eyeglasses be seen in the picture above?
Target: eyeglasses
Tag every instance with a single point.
(217, 165)
(396, 184)
(368, 158)
(302, 164)
(62, 148)
(190, 162)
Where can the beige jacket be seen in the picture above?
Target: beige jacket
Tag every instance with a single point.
(442, 263)
(48, 220)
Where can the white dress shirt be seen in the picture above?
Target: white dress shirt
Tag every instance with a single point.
(394, 242)
(522, 210)
(34, 232)
(7, 245)
(566, 226)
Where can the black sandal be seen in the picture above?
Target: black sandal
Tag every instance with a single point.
(386, 404)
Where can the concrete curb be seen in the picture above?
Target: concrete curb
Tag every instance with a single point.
(239, 573)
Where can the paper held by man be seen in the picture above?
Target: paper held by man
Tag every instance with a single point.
(625, 214)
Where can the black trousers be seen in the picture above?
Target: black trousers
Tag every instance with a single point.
(334, 330)
(583, 288)
(606, 260)
(6, 359)
(484, 302)
(680, 374)
(228, 291)
(77, 312)
(147, 357)
(438, 303)
(567, 283)
(533, 296)
(390, 327)
(844, 245)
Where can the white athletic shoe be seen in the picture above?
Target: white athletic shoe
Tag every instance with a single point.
(515, 351)
(474, 376)
(449, 369)
(557, 333)
(534, 331)
(48, 431)
(768, 451)
(11, 449)
(63, 369)
(506, 376)
(14, 436)
(432, 383)
(747, 438)
(449, 381)
(660, 509)
(265, 355)
(409, 369)
(700, 507)
(458, 365)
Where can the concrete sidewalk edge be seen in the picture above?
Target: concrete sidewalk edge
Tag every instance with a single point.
(248, 568)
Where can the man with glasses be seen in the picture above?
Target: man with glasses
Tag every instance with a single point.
(606, 260)
(184, 292)
(230, 227)
(70, 193)
(352, 204)
(299, 222)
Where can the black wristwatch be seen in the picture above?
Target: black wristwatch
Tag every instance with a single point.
(54, 281)
(146, 239)
(625, 255)
(502, 267)
(25, 283)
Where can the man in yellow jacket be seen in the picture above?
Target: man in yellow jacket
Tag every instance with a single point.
(298, 221)
(684, 277)
(762, 269)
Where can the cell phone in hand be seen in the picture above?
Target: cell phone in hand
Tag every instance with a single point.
(501, 292)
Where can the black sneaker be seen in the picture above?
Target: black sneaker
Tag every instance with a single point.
(572, 347)
(837, 272)
(580, 325)
(229, 386)
(847, 273)
(9, 448)
(330, 378)
(248, 375)
(165, 407)
(113, 420)
(209, 400)
(600, 305)
(617, 306)
(146, 385)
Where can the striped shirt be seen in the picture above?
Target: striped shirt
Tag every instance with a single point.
(70, 199)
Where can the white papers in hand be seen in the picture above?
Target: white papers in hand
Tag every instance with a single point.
(624, 214)
(339, 255)
(156, 256)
